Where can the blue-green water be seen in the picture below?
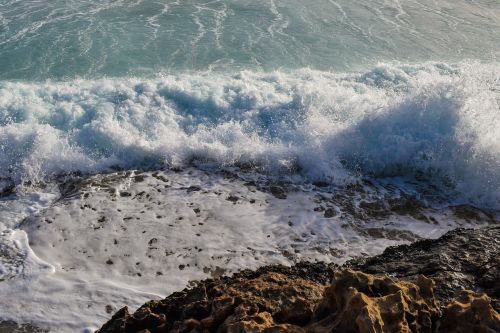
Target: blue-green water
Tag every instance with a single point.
(400, 98)
(65, 39)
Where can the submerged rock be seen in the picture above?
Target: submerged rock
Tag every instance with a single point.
(317, 297)
(278, 192)
(13, 327)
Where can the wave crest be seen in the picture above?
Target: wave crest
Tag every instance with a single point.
(435, 121)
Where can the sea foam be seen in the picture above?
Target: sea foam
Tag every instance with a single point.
(431, 121)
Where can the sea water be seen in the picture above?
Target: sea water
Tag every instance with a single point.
(338, 92)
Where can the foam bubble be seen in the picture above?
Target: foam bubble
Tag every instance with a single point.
(429, 121)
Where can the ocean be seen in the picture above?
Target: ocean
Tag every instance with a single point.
(325, 113)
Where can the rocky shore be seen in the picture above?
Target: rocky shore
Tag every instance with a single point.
(446, 285)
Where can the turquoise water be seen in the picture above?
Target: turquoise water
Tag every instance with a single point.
(331, 90)
(377, 99)
(66, 39)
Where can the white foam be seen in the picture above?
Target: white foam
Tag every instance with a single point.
(17, 260)
(430, 119)
(121, 240)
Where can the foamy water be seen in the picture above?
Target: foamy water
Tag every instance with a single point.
(434, 121)
(379, 119)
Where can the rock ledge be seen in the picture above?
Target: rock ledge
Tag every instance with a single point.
(316, 297)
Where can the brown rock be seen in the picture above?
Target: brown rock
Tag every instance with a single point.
(273, 302)
(317, 298)
(462, 259)
(470, 312)
(269, 301)
(358, 302)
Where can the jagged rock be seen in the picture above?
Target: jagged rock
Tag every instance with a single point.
(461, 259)
(204, 303)
(470, 312)
(278, 192)
(319, 298)
(358, 302)
(274, 302)
(250, 301)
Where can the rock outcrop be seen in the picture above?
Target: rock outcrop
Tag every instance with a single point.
(461, 259)
(262, 298)
(274, 302)
(321, 298)
(358, 302)
(470, 313)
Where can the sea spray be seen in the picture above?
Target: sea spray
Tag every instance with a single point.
(431, 121)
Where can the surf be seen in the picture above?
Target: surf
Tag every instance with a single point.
(433, 121)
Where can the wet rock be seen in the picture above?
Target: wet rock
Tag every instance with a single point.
(7, 187)
(461, 259)
(376, 209)
(408, 205)
(12, 327)
(232, 198)
(214, 272)
(392, 234)
(278, 192)
(158, 176)
(193, 189)
(321, 184)
(329, 213)
(140, 178)
(317, 298)
(469, 213)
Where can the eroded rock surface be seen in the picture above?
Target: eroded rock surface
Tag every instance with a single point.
(320, 298)
(274, 302)
(461, 259)
(250, 300)
(365, 303)
(470, 313)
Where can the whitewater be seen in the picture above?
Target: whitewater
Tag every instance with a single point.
(341, 104)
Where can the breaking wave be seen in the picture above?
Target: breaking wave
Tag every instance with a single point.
(432, 121)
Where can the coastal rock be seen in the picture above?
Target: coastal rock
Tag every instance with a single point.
(470, 312)
(278, 192)
(461, 259)
(249, 301)
(317, 297)
(358, 302)
(274, 302)
(7, 187)
(13, 327)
